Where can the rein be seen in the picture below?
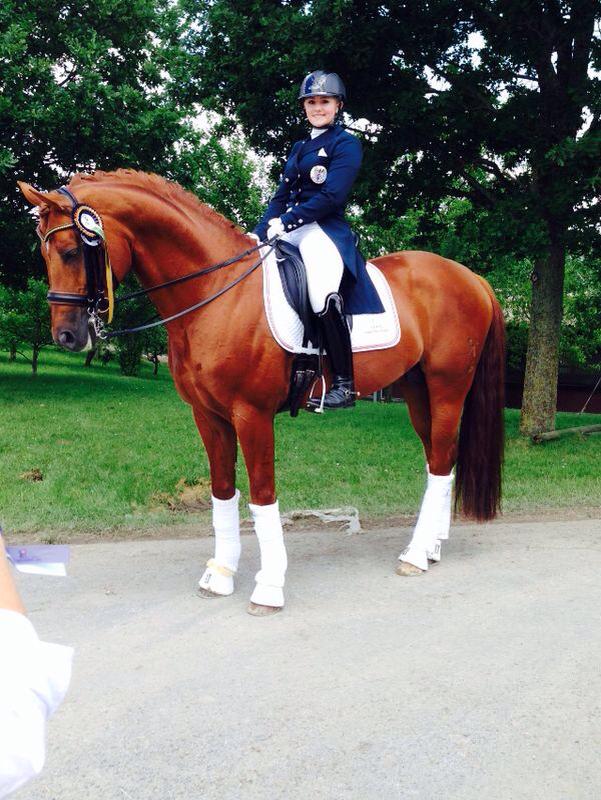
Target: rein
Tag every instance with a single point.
(104, 334)
(99, 297)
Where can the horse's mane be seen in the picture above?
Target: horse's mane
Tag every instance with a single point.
(157, 186)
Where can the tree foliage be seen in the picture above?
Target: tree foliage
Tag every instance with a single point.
(154, 344)
(496, 101)
(220, 170)
(25, 320)
(483, 124)
(83, 86)
(129, 314)
(480, 99)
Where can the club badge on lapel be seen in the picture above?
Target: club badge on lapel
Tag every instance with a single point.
(318, 173)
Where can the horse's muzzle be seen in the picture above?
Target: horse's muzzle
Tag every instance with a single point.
(71, 331)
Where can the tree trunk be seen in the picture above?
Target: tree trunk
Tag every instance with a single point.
(156, 365)
(539, 403)
(34, 360)
(12, 352)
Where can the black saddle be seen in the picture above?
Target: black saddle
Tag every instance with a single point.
(294, 282)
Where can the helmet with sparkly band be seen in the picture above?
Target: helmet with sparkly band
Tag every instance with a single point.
(322, 84)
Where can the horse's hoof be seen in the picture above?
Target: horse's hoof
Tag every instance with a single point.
(408, 570)
(208, 594)
(256, 610)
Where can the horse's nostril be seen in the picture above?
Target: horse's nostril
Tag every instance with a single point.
(66, 338)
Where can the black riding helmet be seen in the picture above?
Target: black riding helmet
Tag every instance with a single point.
(322, 84)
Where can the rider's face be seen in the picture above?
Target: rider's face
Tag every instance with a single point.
(321, 111)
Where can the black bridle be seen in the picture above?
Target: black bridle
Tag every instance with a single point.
(99, 298)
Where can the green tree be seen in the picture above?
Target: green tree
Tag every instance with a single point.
(129, 353)
(129, 314)
(25, 320)
(154, 342)
(83, 86)
(509, 118)
(219, 169)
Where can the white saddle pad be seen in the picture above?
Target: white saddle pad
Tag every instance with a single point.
(369, 331)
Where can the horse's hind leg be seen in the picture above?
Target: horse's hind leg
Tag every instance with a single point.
(219, 438)
(415, 392)
(255, 432)
(436, 421)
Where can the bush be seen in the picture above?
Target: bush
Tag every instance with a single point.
(130, 353)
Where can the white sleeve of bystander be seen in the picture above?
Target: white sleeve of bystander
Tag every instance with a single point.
(34, 677)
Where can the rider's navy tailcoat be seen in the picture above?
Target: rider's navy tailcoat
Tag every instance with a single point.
(315, 184)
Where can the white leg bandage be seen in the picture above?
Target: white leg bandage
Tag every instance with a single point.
(322, 261)
(433, 523)
(219, 574)
(271, 576)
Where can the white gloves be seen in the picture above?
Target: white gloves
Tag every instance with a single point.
(255, 237)
(275, 228)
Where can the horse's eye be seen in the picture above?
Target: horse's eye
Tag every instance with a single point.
(68, 255)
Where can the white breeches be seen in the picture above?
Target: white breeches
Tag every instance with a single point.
(322, 261)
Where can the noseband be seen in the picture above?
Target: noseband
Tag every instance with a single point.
(99, 296)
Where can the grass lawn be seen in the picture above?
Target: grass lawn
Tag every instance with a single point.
(111, 450)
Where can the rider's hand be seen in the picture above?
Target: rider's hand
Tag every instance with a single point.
(255, 237)
(275, 228)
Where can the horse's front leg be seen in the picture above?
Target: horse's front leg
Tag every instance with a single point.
(255, 433)
(219, 438)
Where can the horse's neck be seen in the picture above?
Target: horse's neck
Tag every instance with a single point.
(171, 242)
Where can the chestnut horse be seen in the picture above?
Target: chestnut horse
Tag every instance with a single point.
(227, 366)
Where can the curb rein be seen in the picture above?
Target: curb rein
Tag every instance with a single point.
(99, 297)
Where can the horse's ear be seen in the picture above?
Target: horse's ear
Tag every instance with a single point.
(39, 198)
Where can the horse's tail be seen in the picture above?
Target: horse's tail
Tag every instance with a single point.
(481, 436)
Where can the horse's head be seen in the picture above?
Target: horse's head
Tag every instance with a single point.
(80, 283)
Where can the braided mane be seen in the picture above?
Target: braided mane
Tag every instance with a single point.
(157, 186)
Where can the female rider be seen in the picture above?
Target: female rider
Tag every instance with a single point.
(308, 211)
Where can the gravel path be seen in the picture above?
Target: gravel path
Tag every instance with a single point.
(479, 680)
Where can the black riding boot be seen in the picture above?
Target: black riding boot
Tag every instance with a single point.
(338, 345)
